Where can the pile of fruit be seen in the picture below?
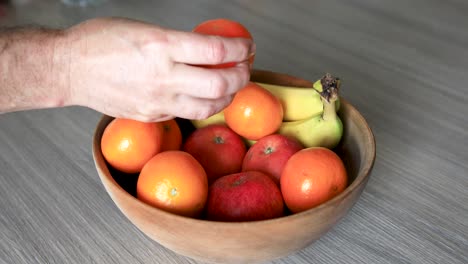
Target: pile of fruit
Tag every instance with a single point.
(268, 154)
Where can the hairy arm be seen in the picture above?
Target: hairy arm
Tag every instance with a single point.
(33, 67)
(122, 68)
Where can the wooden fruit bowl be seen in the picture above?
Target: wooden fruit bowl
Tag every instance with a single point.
(247, 242)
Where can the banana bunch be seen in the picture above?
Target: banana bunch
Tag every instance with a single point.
(298, 102)
(309, 113)
(324, 129)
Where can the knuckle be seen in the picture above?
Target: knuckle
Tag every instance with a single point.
(156, 88)
(149, 110)
(157, 40)
(156, 52)
(199, 115)
(227, 100)
(244, 74)
(144, 111)
(204, 112)
(146, 119)
(245, 49)
(218, 87)
(217, 51)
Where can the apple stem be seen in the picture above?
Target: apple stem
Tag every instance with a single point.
(269, 150)
(218, 140)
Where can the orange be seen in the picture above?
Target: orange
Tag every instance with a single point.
(254, 112)
(172, 138)
(128, 144)
(311, 177)
(174, 181)
(225, 28)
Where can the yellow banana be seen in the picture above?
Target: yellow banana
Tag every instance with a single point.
(325, 129)
(311, 113)
(298, 102)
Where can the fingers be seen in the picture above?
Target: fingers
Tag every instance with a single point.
(196, 108)
(153, 118)
(194, 48)
(180, 105)
(204, 83)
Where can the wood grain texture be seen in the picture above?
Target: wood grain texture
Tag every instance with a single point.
(404, 66)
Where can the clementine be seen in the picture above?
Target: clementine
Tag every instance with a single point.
(174, 181)
(128, 144)
(172, 138)
(225, 28)
(311, 177)
(254, 112)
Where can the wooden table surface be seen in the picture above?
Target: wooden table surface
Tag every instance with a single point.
(404, 65)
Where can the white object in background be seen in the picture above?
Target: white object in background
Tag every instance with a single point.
(82, 3)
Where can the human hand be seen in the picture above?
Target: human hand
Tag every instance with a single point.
(131, 69)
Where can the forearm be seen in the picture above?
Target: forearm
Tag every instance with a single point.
(122, 68)
(33, 69)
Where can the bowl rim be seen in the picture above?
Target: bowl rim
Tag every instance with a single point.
(359, 180)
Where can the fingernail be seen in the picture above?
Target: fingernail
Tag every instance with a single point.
(250, 66)
(253, 49)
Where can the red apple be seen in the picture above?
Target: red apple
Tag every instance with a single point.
(218, 149)
(244, 196)
(270, 154)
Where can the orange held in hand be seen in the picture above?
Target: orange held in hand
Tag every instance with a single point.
(172, 138)
(224, 28)
(128, 144)
(312, 176)
(174, 181)
(254, 112)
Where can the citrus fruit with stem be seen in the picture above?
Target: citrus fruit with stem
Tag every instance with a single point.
(174, 181)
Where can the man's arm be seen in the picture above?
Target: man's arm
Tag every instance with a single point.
(33, 69)
(122, 68)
